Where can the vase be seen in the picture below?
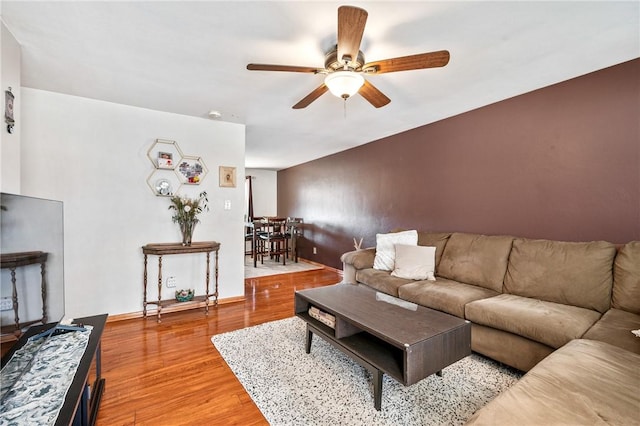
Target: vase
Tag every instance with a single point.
(187, 232)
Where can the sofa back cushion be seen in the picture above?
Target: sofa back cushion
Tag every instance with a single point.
(578, 274)
(476, 259)
(434, 239)
(626, 278)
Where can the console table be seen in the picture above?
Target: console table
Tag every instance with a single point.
(162, 249)
(82, 400)
(12, 261)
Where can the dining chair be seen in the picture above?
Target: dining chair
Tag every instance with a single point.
(293, 230)
(274, 243)
(259, 228)
(248, 237)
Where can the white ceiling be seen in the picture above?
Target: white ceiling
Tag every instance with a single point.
(190, 57)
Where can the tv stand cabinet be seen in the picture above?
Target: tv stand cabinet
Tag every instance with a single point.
(82, 400)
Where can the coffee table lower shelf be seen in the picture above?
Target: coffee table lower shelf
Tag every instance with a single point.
(374, 355)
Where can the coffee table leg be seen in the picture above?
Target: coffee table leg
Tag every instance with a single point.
(377, 389)
(308, 341)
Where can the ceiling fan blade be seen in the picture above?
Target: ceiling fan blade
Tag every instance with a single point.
(287, 68)
(373, 95)
(351, 22)
(406, 63)
(306, 101)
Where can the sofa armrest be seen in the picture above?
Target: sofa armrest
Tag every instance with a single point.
(360, 259)
(354, 260)
(348, 274)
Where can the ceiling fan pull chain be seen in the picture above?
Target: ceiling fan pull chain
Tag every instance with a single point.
(345, 108)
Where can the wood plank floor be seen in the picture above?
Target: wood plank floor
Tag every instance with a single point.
(171, 374)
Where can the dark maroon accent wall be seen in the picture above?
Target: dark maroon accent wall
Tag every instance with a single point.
(562, 163)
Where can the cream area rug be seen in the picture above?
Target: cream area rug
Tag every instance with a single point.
(270, 267)
(326, 387)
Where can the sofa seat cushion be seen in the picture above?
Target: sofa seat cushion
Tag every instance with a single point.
(508, 348)
(476, 259)
(615, 328)
(626, 278)
(381, 280)
(546, 322)
(577, 274)
(444, 295)
(583, 383)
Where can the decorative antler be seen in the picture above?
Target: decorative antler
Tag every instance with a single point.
(357, 245)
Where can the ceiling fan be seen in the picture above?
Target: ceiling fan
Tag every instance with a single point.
(344, 65)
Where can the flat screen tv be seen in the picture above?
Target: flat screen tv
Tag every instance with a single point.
(32, 249)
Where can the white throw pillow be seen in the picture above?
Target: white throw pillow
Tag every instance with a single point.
(385, 250)
(415, 262)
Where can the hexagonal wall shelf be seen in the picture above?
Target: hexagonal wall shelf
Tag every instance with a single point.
(165, 154)
(164, 183)
(172, 168)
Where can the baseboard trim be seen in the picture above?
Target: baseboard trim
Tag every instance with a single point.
(338, 271)
(176, 308)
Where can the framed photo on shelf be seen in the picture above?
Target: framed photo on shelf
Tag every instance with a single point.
(227, 177)
(165, 160)
(192, 169)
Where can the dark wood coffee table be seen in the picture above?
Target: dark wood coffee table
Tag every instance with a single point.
(384, 334)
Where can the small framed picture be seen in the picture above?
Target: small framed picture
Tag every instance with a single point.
(165, 160)
(228, 176)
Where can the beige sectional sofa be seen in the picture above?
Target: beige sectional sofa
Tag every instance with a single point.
(585, 382)
(527, 298)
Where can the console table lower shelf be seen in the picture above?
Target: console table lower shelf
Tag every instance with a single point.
(168, 303)
(164, 249)
(408, 344)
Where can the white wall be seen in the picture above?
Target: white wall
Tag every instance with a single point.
(265, 191)
(92, 155)
(10, 143)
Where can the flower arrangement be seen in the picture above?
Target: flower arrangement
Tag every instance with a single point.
(186, 214)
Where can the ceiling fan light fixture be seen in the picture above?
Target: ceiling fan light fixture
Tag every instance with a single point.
(344, 84)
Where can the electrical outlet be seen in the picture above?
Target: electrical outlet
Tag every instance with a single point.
(315, 250)
(227, 204)
(171, 282)
(6, 304)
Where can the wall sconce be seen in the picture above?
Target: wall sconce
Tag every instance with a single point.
(8, 110)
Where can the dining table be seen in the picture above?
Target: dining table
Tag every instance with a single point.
(270, 224)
